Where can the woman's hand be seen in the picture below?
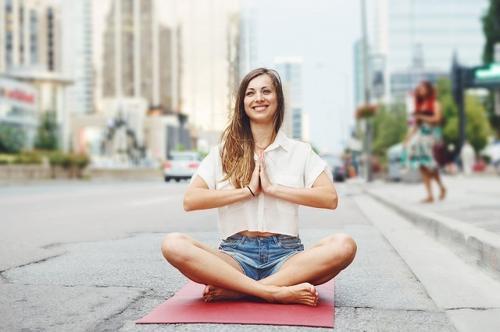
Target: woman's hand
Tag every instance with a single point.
(266, 185)
(255, 180)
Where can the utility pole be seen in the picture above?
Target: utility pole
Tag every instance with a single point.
(368, 128)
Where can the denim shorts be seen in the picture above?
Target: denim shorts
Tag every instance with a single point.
(260, 257)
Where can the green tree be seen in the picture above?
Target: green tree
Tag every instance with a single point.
(47, 133)
(478, 128)
(449, 111)
(491, 29)
(390, 127)
(12, 138)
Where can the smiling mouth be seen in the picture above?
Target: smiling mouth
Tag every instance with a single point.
(260, 108)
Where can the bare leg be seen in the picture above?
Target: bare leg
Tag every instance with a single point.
(426, 177)
(316, 265)
(442, 188)
(208, 267)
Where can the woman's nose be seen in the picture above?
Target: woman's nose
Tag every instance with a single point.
(259, 96)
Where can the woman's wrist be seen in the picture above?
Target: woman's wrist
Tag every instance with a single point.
(252, 192)
(272, 190)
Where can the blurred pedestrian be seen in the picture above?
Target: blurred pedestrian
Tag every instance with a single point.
(424, 139)
(468, 157)
(258, 177)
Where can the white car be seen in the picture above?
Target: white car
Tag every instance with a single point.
(492, 150)
(181, 165)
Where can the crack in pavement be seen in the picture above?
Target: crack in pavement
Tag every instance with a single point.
(472, 308)
(104, 325)
(34, 262)
(4, 278)
(387, 309)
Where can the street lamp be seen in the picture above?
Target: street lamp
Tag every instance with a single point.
(368, 127)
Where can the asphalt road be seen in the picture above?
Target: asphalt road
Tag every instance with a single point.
(85, 256)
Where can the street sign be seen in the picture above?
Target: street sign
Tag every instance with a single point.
(488, 76)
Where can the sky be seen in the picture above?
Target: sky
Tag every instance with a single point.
(323, 33)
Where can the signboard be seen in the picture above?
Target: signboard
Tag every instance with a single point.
(488, 76)
(17, 94)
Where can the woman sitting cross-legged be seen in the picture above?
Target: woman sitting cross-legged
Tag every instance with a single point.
(257, 177)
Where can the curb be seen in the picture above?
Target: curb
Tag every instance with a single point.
(474, 245)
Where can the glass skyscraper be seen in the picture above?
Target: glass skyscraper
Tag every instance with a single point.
(418, 38)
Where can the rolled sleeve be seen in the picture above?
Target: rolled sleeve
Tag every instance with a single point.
(314, 167)
(206, 170)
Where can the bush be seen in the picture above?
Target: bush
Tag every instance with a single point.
(79, 160)
(47, 133)
(12, 138)
(6, 159)
(59, 158)
(68, 160)
(28, 158)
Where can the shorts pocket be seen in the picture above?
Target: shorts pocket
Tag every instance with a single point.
(290, 242)
(231, 243)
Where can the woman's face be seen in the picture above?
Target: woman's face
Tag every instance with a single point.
(422, 91)
(260, 99)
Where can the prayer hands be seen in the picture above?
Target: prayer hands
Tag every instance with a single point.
(255, 180)
(265, 184)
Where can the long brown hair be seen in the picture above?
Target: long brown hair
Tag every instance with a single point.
(426, 101)
(238, 144)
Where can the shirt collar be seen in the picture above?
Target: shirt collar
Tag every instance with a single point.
(280, 140)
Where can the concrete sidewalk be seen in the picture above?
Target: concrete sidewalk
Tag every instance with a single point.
(468, 220)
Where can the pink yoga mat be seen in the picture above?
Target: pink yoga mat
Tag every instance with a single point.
(187, 306)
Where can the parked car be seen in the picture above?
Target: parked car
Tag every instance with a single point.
(336, 165)
(394, 155)
(396, 171)
(492, 151)
(181, 165)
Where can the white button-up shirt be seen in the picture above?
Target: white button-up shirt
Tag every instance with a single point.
(289, 163)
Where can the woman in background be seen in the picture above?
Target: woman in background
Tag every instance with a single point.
(423, 136)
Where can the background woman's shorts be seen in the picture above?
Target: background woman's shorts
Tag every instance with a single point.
(260, 257)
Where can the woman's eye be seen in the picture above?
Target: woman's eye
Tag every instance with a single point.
(267, 92)
(249, 93)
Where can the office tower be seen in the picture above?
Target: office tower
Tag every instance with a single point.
(30, 35)
(209, 61)
(77, 54)
(136, 54)
(417, 39)
(290, 70)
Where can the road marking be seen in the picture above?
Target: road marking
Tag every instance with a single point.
(156, 200)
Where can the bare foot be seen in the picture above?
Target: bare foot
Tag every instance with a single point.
(212, 293)
(304, 293)
(442, 195)
(427, 200)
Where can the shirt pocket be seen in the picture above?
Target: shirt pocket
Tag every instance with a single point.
(287, 208)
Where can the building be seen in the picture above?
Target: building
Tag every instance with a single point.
(209, 65)
(137, 57)
(30, 35)
(76, 22)
(248, 42)
(430, 31)
(290, 70)
(30, 66)
(18, 107)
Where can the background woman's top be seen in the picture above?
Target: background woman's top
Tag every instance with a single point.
(289, 163)
(421, 150)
